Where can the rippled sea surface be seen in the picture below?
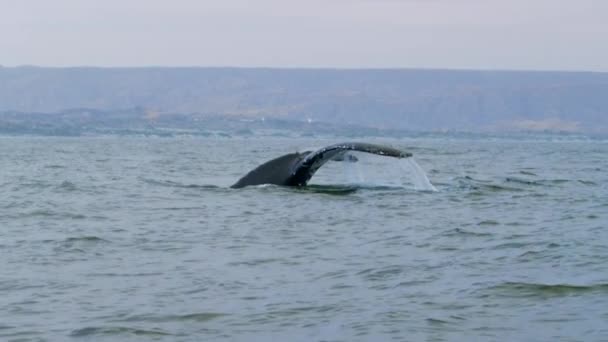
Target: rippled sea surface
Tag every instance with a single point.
(132, 238)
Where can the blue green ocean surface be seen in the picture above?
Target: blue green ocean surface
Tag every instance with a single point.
(123, 238)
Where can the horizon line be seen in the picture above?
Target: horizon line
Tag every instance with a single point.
(311, 68)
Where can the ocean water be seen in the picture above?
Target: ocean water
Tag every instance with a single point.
(139, 239)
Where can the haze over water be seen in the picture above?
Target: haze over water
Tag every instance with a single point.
(135, 239)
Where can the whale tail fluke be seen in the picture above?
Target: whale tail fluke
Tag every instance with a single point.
(296, 169)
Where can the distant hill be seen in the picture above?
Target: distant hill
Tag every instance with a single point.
(430, 100)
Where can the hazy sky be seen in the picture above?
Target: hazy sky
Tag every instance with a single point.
(487, 34)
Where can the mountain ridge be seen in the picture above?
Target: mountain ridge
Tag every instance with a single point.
(412, 99)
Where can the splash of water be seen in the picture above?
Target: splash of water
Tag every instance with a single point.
(408, 174)
(418, 176)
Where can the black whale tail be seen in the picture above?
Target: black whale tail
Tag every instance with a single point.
(296, 169)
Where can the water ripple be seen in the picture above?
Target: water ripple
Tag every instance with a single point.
(112, 330)
(519, 289)
(196, 317)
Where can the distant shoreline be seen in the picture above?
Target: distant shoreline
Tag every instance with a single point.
(401, 99)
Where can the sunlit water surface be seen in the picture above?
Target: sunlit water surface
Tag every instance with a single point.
(129, 238)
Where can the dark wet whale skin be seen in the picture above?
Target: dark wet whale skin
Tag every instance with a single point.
(296, 169)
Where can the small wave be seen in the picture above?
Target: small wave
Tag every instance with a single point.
(384, 273)
(182, 208)
(469, 178)
(332, 275)
(301, 310)
(48, 214)
(27, 335)
(329, 189)
(462, 232)
(480, 190)
(546, 182)
(37, 185)
(136, 275)
(54, 166)
(67, 186)
(345, 189)
(254, 262)
(488, 223)
(78, 244)
(480, 187)
(530, 255)
(172, 184)
(436, 321)
(94, 331)
(416, 282)
(85, 239)
(476, 184)
(497, 188)
(39, 212)
(521, 289)
(522, 181)
(517, 245)
(196, 317)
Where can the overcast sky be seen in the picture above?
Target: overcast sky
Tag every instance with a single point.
(472, 34)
